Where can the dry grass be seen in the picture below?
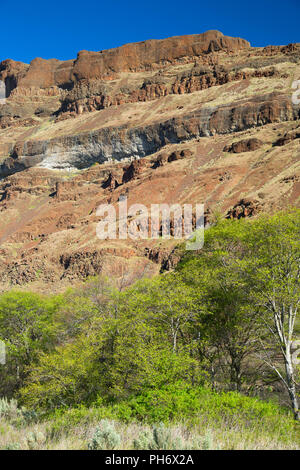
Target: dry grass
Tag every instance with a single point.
(40, 437)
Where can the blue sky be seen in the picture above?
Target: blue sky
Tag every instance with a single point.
(60, 29)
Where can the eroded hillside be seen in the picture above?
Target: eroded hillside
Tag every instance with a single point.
(192, 119)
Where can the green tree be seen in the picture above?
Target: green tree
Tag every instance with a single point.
(253, 283)
(26, 327)
(228, 325)
(274, 267)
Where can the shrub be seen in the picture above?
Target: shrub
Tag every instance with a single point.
(162, 439)
(105, 437)
(207, 443)
(35, 440)
(159, 439)
(12, 446)
(9, 409)
(63, 421)
(18, 416)
(202, 405)
(144, 441)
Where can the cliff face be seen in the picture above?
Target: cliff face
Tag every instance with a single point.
(146, 55)
(211, 118)
(119, 142)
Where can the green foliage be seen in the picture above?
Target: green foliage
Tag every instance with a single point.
(117, 349)
(176, 347)
(196, 407)
(179, 402)
(248, 275)
(27, 329)
(64, 420)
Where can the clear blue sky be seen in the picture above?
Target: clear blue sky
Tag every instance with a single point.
(60, 28)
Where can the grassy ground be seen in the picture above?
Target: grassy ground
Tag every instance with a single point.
(135, 436)
(225, 421)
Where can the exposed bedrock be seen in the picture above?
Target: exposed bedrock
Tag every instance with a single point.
(104, 64)
(118, 143)
(93, 95)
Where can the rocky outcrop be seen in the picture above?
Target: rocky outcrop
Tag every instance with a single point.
(247, 145)
(244, 208)
(133, 170)
(83, 150)
(11, 72)
(165, 259)
(274, 50)
(92, 95)
(105, 64)
(288, 137)
(179, 154)
(113, 181)
(82, 264)
(84, 84)
(68, 190)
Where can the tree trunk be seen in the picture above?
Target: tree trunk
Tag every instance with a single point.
(291, 383)
(235, 373)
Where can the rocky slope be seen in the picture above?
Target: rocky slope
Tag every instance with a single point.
(192, 119)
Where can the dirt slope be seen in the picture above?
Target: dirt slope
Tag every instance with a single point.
(192, 119)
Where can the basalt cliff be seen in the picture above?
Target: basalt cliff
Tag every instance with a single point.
(203, 118)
